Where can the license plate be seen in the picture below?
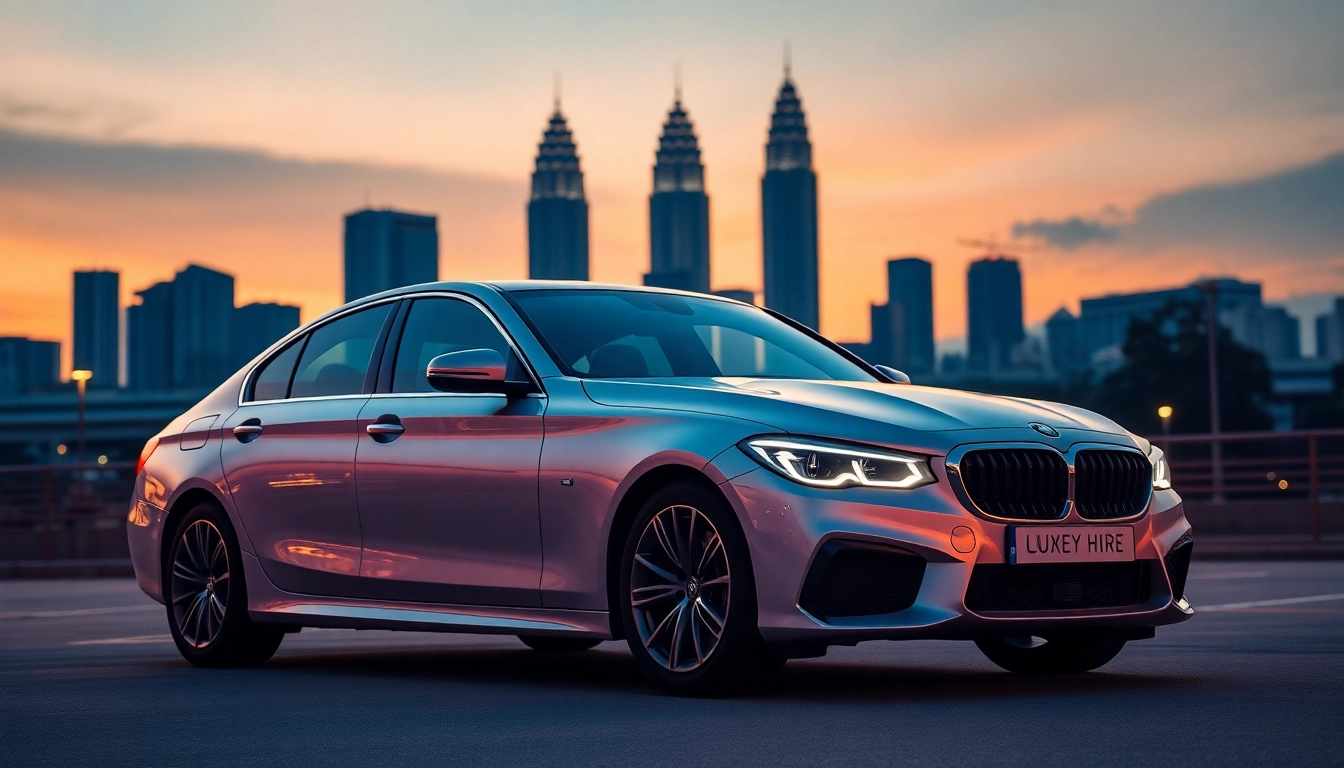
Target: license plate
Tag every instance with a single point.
(1071, 544)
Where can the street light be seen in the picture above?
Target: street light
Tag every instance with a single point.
(81, 378)
(1164, 413)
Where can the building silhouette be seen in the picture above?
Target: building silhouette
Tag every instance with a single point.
(97, 326)
(1064, 348)
(557, 213)
(149, 339)
(678, 209)
(387, 249)
(202, 324)
(994, 314)
(1103, 321)
(28, 365)
(257, 326)
(744, 295)
(789, 212)
(902, 329)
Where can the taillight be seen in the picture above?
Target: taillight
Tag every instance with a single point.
(145, 453)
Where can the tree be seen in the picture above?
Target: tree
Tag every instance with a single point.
(1167, 363)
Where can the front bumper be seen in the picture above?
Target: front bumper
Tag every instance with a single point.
(788, 525)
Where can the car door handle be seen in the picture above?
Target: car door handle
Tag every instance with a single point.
(248, 431)
(384, 429)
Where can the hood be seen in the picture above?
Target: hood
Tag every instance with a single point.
(850, 410)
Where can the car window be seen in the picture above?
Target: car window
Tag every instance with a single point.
(642, 334)
(272, 379)
(336, 358)
(438, 326)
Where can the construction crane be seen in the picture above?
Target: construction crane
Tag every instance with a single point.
(993, 247)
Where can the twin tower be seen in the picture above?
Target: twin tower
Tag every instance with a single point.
(557, 214)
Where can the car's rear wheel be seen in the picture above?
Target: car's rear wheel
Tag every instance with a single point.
(550, 644)
(688, 597)
(1059, 654)
(207, 597)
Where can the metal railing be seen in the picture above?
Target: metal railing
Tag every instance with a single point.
(64, 511)
(1288, 470)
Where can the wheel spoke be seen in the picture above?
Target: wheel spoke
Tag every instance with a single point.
(717, 627)
(660, 533)
(661, 573)
(714, 545)
(645, 595)
(718, 580)
(678, 636)
(671, 616)
(185, 571)
(696, 621)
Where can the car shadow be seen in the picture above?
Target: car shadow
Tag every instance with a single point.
(611, 669)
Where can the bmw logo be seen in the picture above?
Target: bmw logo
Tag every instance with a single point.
(1044, 429)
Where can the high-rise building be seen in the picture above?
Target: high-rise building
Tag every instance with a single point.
(903, 327)
(1104, 321)
(994, 309)
(97, 326)
(744, 295)
(678, 209)
(789, 212)
(149, 339)
(258, 326)
(557, 213)
(1269, 330)
(202, 312)
(1330, 334)
(1061, 339)
(27, 365)
(386, 249)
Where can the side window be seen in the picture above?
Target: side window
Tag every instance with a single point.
(439, 326)
(627, 357)
(336, 359)
(272, 379)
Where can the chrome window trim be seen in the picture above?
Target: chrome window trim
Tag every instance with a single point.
(283, 343)
(952, 464)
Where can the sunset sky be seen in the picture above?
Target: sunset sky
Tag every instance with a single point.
(1139, 145)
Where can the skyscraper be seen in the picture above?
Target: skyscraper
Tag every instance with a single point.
(678, 209)
(27, 365)
(994, 309)
(258, 326)
(387, 249)
(557, 214)
(903, 327)
(97, 326)
(789, 212)
(149, 339)
(202, 312)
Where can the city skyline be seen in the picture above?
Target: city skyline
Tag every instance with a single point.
(916, 146)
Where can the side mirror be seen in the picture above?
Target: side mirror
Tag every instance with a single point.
(473, 370)
(893, 374)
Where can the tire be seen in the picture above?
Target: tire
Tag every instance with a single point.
(1064, 654)
(550, 644)
(206, 595)
(681, 607)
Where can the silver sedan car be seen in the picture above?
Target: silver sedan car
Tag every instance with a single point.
(718, 485)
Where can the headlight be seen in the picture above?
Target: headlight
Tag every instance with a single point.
(1161, 469)
(827, 465)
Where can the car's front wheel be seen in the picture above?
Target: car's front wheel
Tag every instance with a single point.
(688, 597)
(207, 598)
(1061, 654)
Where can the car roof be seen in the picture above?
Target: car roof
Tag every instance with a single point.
(512, 286)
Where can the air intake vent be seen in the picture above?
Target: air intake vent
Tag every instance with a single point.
(1017, 483)
(855, 579)
(1178, 567)
(1111, 484)
(1057, 587)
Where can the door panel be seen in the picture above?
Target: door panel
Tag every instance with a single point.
(293, 487)
(449, 506)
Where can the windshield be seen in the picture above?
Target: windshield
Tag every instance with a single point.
(636, 334)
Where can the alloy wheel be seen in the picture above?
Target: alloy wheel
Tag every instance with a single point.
(680, 588)
(200, 583)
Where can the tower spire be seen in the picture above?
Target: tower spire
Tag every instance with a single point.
(557, 92)
(788, 60)
(676, 81)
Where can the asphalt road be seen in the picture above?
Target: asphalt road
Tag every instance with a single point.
(89, 676)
